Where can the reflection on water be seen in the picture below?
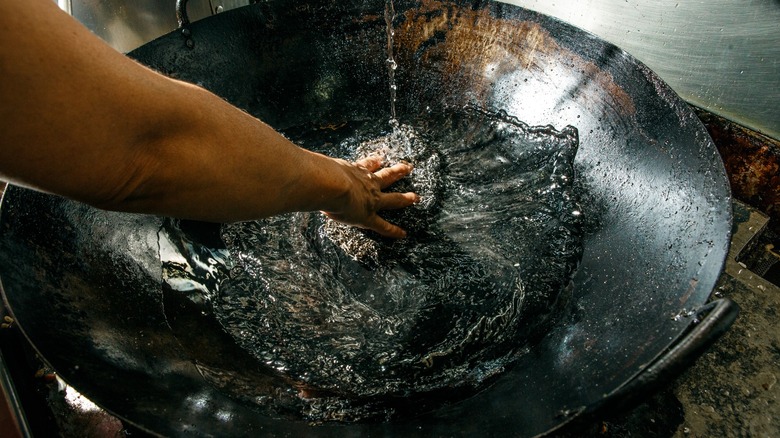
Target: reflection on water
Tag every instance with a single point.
(350, 324)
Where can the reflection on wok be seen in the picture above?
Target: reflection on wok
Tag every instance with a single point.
(88, 289)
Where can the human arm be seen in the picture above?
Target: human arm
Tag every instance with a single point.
(84, 121)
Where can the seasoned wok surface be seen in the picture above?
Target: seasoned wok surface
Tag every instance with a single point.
(85, 283)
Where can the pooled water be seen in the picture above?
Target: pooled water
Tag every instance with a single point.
(355, 323)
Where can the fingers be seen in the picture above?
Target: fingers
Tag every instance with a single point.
(390, 201)
(371, 163)
(368, 197)
(385, 228)
(393, 201)
(389, 175)
(376, 224)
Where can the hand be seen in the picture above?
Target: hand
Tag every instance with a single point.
(366, 198)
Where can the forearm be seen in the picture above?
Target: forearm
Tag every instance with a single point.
(215, 162)
(81, 120)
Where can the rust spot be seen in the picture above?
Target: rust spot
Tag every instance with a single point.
(752, 162)
(333, 126)
(691, 287)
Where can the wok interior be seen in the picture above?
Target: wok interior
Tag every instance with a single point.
(85, 284)
(365, 328)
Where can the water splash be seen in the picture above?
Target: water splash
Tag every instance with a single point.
(358, 327)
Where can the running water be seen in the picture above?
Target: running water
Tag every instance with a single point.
(354, 327)
(391, 64)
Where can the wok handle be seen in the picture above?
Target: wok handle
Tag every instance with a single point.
(707, 326)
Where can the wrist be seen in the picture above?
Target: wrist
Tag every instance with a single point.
(328, 186)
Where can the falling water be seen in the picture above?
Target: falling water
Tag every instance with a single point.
(391, 64)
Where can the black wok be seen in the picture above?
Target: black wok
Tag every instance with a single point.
(84, 285)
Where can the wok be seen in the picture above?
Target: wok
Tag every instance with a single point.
(85, 285)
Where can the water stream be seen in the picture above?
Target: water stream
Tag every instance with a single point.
(391, 64)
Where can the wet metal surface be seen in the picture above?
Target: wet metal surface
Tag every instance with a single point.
(720, 55)
(360, 327)
(732, 390)
(654, 189)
